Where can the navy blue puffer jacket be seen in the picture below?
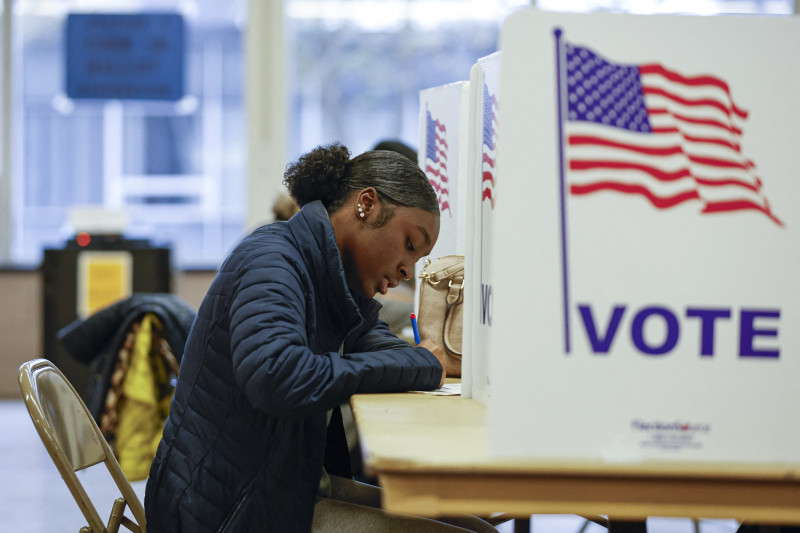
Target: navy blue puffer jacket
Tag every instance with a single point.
(244, 443)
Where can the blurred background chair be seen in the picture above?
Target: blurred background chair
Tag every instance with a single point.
(74, 442)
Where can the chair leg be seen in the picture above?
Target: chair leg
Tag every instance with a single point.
(117, 512)
(131, 525)
(596, 519)
(522, 525)
(622, 526)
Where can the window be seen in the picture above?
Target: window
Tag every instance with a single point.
(354, 72)
(357, 66)
(175, 167)
(694, 7)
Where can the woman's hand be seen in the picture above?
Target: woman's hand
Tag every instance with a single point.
(438, 352)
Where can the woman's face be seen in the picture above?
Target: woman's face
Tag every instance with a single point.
(382, 257)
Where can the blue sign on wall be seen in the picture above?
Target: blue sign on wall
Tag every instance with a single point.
(125, 56)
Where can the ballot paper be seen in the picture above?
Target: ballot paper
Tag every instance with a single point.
(448, 389)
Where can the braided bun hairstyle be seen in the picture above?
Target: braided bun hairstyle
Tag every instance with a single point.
(328, 174)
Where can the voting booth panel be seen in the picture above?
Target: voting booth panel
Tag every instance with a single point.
(443, 112)
(444, 116)
(649, 200)
(481, 198)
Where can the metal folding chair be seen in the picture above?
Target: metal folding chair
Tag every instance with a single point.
(74, 442)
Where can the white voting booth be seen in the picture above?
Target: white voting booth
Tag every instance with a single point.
(644, 240)
(443, 138)
(458, 131)
(481, 195)
(442, 133)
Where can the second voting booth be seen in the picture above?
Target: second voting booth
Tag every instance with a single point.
(632, 243)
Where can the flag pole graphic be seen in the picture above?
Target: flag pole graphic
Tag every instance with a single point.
(564, 265)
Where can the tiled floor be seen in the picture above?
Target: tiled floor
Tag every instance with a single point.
(34, 499)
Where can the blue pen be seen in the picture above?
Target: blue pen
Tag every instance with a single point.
(415, 327)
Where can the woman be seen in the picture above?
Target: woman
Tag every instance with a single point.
(287, 332)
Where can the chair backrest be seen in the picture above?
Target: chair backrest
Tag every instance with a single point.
(74, 441)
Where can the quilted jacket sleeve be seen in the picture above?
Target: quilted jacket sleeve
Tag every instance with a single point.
(273, 363)
(379, 337)
(380, 347)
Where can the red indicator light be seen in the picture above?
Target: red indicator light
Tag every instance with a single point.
(83, 239)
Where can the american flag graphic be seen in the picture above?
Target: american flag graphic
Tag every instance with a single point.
(650, 131)
(489, 145)
(436, 160)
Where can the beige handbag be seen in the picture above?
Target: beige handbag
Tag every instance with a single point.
(441, 313)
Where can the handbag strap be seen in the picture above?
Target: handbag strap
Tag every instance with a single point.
(455, 294)
(442, 269)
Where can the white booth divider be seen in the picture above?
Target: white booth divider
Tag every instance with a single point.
(442, 133)
(481, 196)
(444, 120)
(644, 284)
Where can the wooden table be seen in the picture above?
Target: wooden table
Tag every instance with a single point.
(431, 457)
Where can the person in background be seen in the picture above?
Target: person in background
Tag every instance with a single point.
(288, 331)
(397, 146)
(284, 207)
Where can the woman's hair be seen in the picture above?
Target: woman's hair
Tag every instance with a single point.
(328, 174)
